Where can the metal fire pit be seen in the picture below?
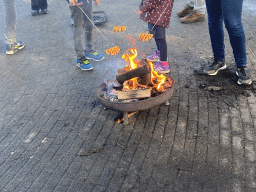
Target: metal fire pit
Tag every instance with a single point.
(135, 105)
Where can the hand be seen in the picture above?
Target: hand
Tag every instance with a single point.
(97, 2)
(139, 12)
(73, 2)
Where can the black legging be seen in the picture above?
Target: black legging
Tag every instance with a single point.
(38, 4)
(162, 47)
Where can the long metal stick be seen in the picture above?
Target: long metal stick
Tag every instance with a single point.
(160, 17)
(129, 19)
(92, 23)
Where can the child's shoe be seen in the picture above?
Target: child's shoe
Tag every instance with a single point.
(84, 64)
(17, 46)
(44, 11)
(35, 12)
(155, 57)
(93, 55)
(162, 67)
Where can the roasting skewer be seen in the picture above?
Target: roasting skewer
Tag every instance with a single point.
(111, 51)
(146, 36)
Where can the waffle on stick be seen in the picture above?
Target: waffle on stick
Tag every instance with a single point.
(119, 28)
(145, 36)
(113, 51)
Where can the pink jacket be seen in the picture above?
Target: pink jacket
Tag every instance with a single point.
(152, 10)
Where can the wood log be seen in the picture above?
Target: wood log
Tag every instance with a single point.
(122, 70)
(134, 94)
(138, 72)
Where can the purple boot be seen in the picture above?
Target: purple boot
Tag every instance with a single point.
(155, 57)
(162, 67)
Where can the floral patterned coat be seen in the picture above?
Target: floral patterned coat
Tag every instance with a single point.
(153, 9)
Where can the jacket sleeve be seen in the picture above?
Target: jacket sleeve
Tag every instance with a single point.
(147, 5)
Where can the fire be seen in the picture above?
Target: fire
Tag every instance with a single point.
(157, 80)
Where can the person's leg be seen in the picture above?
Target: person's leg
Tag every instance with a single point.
(43, 4)
(82, 61)
(200, 6)
(35, 4)
(162, 47)
(78, 31)
(215, 24)
(232, 18)
(192, 3)
(10, 22)
(35, 7)
(12, 46)
(232, 13)
(88, 26)
(161, 66)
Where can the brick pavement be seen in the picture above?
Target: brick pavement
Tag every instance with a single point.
(56, 136)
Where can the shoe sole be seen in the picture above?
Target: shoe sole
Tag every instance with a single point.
(95, 59)
(187, 22)
(163, 72)
(13, 52)
(84, 69)
(215, 73)
(244, 82)
(152, 60)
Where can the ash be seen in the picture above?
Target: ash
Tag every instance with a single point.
(110, 92)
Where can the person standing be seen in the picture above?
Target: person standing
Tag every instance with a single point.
(37, 5)
(193, 12)
(12, 45)
(157, 13)
(81, 22)
(229, 13)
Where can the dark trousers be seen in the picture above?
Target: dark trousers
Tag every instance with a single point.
(228, 12)
(160, 39)
(38, 4)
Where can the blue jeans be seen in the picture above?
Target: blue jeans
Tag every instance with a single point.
(38, 4)
(79, 20)
(10, 22)
(230, 12)
(160, 39)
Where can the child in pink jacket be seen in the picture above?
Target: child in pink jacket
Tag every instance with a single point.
(157, 13)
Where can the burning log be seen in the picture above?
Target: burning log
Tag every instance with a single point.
(137, 72)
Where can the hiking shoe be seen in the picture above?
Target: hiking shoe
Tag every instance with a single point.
(84, 64)
(185, 11)
(44, 11)
(160, 68)
(213, 68)
(155, 57)
(193, 17)
(35, 12)
(93, 55)
(17, 46)
(243, 76)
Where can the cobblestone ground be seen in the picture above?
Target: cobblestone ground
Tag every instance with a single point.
(56, 136)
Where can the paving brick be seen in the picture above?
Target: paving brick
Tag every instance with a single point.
(49, 110)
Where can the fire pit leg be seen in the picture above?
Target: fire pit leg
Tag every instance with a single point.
(167, 102)
(126, 118)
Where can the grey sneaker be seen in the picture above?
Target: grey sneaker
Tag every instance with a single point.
(17, 46)
(215, 67)
(243, 76)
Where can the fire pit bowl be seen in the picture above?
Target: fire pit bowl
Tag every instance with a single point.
(135, 105)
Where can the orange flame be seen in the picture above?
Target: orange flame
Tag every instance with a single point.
(155, 77)
(157, 80)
